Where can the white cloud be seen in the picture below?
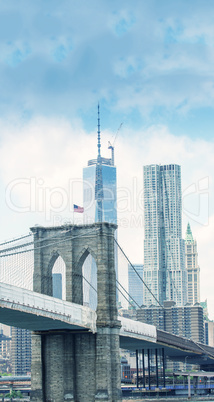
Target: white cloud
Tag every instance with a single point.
(136, 57)
(55, 151)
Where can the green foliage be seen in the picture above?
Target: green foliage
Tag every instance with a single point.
(14, 394)
(5, 374)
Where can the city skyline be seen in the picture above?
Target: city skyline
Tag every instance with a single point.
(150, 66)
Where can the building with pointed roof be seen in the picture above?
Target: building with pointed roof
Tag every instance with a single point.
(100, 205)
(193, 270)
(99, 187)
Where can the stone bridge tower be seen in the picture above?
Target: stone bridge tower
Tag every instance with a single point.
(77, 366)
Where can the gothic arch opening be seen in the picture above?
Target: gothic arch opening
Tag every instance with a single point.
(89, 272)
(88, 268)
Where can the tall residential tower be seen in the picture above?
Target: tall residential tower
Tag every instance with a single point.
(164, 249)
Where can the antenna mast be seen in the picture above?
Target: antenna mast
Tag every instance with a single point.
(99, 176)
(112, 152)
(98, 133)
(111, 146)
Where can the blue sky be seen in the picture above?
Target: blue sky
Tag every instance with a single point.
(147, 62)
(150, 64)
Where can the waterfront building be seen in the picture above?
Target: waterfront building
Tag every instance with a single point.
(164, 249)
(186, 321)
(135, 284)
(193, 270)
(21, 351)
(125, 370)
(100, 205)
(209, 333)
(5, 347)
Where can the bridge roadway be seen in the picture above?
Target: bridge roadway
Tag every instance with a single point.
(37, 312)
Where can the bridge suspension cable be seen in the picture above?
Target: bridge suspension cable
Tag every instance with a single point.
(19, 249)
(123, 294)
(16, 247)
(123, 252)
(17, 262)
(30, 243)
(119, 290)
(44, 245)
(130, 297)
(15, 239)
(26, 244)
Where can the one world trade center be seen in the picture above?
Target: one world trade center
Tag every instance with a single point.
(100, 205)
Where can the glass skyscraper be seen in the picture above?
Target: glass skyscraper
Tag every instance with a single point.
(107, 208)
(164, 249)
(135, 284)
(100, 205)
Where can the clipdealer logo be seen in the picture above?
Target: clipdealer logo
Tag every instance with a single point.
(38, 197)
(32, 195)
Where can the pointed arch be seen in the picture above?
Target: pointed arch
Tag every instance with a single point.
(74, 243)
(54, 255)
(83, 254)
(57, 273)
(86, 265)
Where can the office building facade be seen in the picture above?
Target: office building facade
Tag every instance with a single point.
(209, 332)
(164, 249)
(186, 321)
(21, 351)
(135, 284)
(94, 211)
(5, 348)
(193, 270)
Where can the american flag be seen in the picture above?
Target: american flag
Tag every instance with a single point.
(78, 209)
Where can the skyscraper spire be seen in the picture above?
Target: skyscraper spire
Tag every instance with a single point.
(98, 133)
(189, 236)
(99, 178)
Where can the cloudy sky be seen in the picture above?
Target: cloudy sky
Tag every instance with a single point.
(150, 64)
